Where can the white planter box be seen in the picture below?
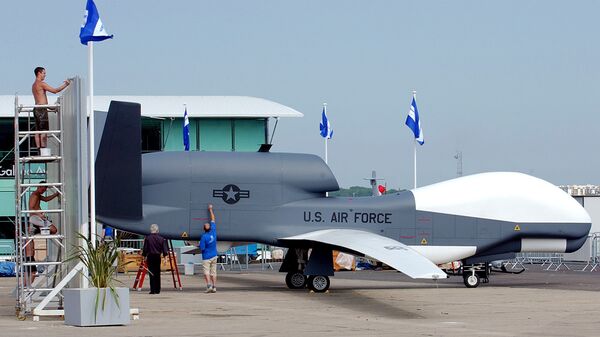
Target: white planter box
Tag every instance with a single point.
(80, 307)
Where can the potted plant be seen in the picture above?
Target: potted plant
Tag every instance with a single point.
(102, 303)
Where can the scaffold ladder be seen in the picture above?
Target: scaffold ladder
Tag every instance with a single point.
(40, 253)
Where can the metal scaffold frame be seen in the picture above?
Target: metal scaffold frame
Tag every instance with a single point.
(28, 174)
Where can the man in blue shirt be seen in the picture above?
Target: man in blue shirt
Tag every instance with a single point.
(108, 233)
(208, 246)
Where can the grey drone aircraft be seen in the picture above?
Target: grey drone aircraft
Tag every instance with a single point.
(280, 199)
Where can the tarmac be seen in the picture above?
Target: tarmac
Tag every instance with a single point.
(362, 303)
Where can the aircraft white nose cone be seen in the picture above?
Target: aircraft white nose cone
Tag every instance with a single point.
(503, 196)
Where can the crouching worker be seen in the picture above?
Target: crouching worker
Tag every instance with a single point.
(154, 246)
(38, 219)
(208, 246)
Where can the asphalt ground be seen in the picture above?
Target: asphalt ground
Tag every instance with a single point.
(362, 303)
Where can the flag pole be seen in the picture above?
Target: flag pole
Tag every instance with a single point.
(89, 232)
(415, 161)
(415, 148)
(92, 148)
(326, 137)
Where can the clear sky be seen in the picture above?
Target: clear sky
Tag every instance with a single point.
(514, 85)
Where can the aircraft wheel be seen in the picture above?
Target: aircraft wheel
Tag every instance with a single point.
(318, 283)
(471, 280)
(295, 280)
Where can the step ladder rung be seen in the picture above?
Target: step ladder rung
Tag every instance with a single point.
(42, 184)
(39, 236)
(39, 158)
(42, 132)
(23, 108)
(35, 290)
(59, 210)
(42, 263)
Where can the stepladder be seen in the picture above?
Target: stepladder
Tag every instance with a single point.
(143, 270)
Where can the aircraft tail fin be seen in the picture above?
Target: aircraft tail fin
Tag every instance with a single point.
(119, 163)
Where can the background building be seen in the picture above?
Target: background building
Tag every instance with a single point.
(589, 197)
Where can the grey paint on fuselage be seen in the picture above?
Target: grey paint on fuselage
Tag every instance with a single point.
(279, 195)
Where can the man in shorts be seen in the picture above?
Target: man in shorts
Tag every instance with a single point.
(39, 89)
(208, 246)
(38, 219)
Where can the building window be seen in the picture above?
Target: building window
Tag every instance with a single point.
(232, 134)
(249, 134)
(151, 135)
(7, 143)
(216, 134)
(7, 228)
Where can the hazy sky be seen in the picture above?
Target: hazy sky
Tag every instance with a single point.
(514, 85)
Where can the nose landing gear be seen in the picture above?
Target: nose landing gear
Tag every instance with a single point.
(471, 280)
(474, 274)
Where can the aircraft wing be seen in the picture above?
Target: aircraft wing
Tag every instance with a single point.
(389, 251)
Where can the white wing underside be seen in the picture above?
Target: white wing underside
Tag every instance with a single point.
(389, 251)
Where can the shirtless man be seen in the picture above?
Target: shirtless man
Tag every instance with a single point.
(39, 89)
(38, 219)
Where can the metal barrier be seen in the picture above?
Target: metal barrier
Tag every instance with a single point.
(546, 260)
(132, 243)
(234, 258)
(594, 260)
(588, 254)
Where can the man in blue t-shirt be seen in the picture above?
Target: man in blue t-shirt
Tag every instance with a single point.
(107, 233)
(208, 246)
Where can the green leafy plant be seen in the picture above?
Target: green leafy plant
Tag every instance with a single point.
(100, 262)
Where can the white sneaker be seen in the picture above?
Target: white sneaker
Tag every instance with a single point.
(213, 290)
(209, 289)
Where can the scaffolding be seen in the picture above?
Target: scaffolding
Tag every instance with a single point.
(40, 254)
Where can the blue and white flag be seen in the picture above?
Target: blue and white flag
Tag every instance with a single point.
(326, 130)
(414, 123)
(186, 131)
(92, 28)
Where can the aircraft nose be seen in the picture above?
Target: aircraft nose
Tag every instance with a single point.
(580, 223)
(582, 232)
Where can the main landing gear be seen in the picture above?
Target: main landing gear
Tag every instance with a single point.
(295, 280)
(316, 283)
(312, 273)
